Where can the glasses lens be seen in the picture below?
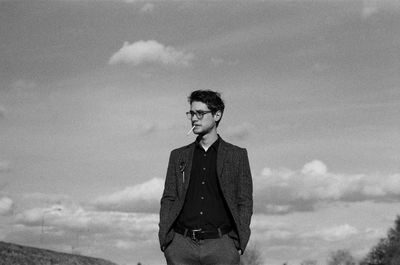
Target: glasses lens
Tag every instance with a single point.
(199, 114)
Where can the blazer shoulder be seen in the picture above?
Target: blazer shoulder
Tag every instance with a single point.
(235, 148)
(181, 149)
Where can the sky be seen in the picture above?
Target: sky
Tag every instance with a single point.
(93, 96)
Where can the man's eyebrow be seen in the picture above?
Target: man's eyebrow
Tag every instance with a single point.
(200, 110)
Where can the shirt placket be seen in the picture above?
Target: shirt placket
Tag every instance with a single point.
(203, 185)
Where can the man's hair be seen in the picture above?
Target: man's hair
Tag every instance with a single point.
(211, 98)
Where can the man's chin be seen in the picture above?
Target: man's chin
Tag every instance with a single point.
(198, 131)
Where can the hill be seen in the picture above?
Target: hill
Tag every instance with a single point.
(12, 254)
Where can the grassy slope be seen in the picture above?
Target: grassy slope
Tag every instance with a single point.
(12, 254)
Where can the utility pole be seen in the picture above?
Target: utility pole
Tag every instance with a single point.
(43, 214)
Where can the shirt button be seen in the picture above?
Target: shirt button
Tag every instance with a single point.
(202, 197)
(205, 154)
(204, 168)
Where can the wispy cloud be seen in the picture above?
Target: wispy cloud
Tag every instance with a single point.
(143, 197)
(371, 7)
(286, 190)
(22, 85)
(38, 199)
(150, 52)
(6, 206)
(35, 216)
(147, 8)
(75, 218)
(239, 132)
(216, 61)
(283, 231)
(57, 221)
(334, 233)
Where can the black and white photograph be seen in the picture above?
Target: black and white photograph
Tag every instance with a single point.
(137, 132)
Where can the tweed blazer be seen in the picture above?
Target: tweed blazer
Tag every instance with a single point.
(234, 175)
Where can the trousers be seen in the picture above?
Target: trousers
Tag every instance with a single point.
(185, 251)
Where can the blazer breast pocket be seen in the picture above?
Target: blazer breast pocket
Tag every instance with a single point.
(180, 182)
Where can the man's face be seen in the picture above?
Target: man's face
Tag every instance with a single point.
(205, 124)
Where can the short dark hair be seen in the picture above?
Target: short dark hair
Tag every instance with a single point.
(211, 98)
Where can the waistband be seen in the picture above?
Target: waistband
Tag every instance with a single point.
(200, 234)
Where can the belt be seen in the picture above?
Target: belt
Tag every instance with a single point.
(200, 234)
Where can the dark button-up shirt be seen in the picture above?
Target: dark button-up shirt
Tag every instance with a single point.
(204, 205)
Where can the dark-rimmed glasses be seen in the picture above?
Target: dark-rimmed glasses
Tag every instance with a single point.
(199, 114)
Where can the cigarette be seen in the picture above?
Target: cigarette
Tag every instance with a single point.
(190, 130)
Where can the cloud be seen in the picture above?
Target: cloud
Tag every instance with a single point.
(46, 198)
(150, 52)
(314, 168)
(278, 209)
(371, 7)
(143, 197)
(23, 85)
(240, 131)
(218, 62)
(281, 231)
(319, 67)
(314, 232)
(6, 206)
(285, 190)
(66, 226)
(36, 216)
(24, 89)
(76, 218)
(147, 8)
(335, 233)
(147, 127)
(42, 200)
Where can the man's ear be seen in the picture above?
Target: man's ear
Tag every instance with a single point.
(217, 115)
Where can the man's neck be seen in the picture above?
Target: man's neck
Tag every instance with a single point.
(207, 140)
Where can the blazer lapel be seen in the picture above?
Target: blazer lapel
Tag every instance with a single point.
(221, 154)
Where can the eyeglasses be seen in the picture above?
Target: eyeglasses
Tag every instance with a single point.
(199, 114)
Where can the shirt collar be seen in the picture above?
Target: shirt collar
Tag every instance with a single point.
(214, 146)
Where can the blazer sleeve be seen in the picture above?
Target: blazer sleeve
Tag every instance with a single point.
(245, 198)
(168, 198)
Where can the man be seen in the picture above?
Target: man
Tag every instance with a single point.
(207, 202)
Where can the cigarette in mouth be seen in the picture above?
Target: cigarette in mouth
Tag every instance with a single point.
(190, 130)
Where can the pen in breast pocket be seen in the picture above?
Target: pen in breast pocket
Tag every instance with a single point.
(182, 169)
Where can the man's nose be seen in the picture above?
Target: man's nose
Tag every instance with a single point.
(194, 118)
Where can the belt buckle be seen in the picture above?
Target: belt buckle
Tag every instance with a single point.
(193, 236)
